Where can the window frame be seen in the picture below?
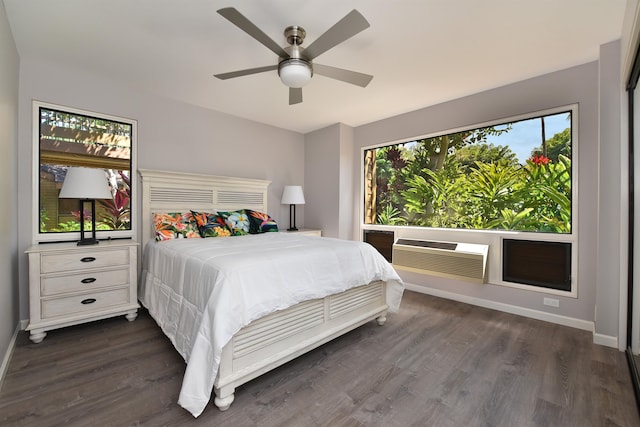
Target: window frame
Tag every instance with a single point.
(493, 237)
(37, 235)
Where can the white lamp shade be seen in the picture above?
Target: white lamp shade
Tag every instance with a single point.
(292, 195)
(85, 183)
(294, 73)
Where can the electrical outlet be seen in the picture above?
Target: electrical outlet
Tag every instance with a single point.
(552, 302)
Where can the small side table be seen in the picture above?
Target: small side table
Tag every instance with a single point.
(71, 284)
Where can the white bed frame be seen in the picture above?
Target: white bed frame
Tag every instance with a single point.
(277, 338)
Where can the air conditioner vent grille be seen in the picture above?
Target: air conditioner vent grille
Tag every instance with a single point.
(446, 259)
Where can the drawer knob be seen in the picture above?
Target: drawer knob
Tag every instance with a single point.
(88, 280)
(88, 259)
(88, 301)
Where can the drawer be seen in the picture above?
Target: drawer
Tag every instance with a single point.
(88, 280)
(89, 302)
(51, 263)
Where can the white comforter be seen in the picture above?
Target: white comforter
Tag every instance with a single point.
(202, 291)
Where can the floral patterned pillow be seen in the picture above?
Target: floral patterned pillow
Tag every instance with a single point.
(236, 221)
(260, 222)
(175, 225)
(211, 224)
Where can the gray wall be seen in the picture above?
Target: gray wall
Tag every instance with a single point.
(322, 180)
(601, 230)
(329, 181)
(9, 70)
(612, 229)
(574, 85)
(348, 193)
(171, 136)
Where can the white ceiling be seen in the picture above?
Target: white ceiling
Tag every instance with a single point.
(420, 52)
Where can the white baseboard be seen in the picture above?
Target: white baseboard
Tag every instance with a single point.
(585, 325)
(7, 356)
(606, 340)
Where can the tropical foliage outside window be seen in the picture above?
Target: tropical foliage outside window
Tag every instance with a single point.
(511, 176)
(72, 139)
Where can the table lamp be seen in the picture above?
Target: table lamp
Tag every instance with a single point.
(292, 196)
(86, 185)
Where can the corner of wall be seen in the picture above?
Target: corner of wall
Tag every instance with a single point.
(9, 82)
(609, 281)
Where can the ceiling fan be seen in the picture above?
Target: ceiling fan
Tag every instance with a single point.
(295, 63)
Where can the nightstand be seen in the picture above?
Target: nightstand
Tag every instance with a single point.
(71, 284)
(307, 231)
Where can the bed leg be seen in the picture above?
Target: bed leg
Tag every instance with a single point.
(382, 318)
(223, 403)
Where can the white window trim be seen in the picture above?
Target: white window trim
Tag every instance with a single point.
(494, 238)
(38, 237)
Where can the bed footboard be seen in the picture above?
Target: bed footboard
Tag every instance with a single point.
(275, 339)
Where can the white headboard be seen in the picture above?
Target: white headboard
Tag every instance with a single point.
(165, 191)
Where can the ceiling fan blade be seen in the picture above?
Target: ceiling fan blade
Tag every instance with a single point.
(353, 77)
(295, 95)
(240, 73)
(344, 29)
(240, 21)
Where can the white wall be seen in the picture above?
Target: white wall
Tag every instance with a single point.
(329, 181)
(610, 215)
(346, 186)
(322, 180)
(171, 136)
(574, 85)
(9, 71)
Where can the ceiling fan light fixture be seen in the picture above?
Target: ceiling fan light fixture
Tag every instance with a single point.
(295, 72)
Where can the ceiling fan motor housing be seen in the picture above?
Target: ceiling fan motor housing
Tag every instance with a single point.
(295, 34)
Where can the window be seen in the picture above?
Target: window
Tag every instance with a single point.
(511, 175)
(68, 137)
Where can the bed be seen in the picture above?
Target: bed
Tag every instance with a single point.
(237, 307)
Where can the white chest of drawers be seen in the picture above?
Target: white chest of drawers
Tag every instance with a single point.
(70, 284)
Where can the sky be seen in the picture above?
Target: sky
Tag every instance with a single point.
(525, 135)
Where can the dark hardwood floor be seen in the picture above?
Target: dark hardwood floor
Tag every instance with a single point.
(436, 363)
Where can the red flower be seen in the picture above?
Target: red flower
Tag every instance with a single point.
(539, 159)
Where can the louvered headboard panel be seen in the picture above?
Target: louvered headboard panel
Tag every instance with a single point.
(164, 191)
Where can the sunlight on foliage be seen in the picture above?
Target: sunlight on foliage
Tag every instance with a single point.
(462, 181)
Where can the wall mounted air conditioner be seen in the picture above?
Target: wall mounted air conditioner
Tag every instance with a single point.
(463, 261)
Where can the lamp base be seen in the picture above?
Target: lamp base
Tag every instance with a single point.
(292, 218)
(91, 240)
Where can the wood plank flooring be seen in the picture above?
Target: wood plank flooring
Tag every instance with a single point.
(435, 363)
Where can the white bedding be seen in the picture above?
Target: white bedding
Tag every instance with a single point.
(202, 291)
